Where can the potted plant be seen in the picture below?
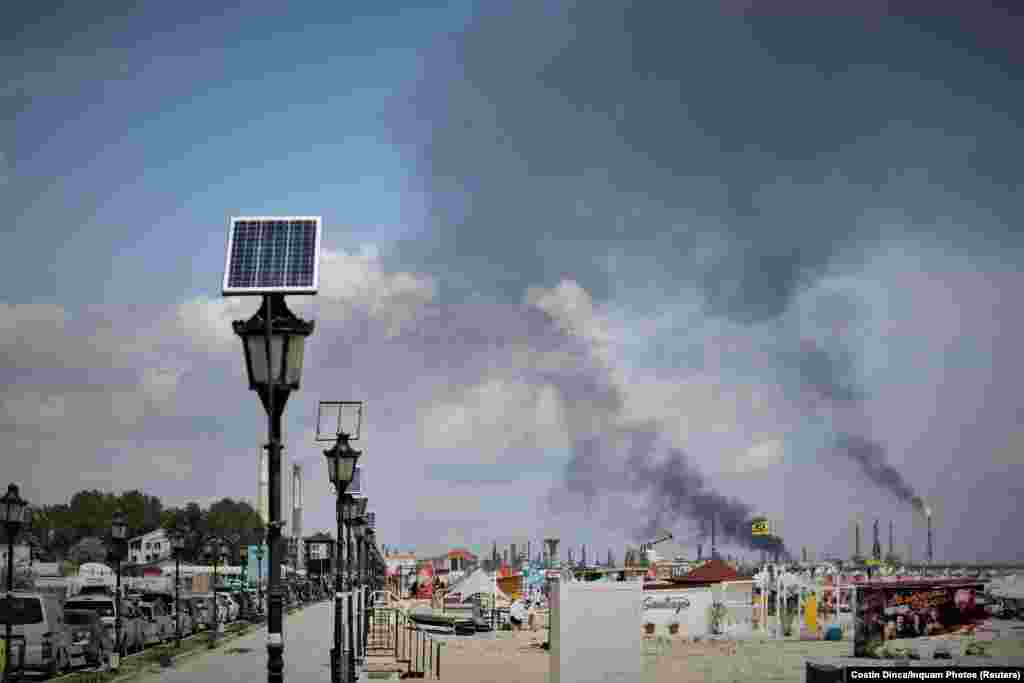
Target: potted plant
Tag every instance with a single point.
(717, 617)
(673, 628)
(649, 628)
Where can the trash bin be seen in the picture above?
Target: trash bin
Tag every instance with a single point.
(823, 672)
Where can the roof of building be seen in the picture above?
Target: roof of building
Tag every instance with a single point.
(319, 538)
(712, 571)
(156, 533)
(461, 553)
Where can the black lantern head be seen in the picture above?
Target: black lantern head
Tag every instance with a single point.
(341, 462)
(287, 343)
(119, 526)
(13, 509)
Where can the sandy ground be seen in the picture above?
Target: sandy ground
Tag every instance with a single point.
(517, 657)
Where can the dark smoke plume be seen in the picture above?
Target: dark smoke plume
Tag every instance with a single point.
(679, 491)
(635, 90)
(672, 487)
(830, 377)
(870, 456)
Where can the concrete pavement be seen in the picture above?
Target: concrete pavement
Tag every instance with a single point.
(308, 637)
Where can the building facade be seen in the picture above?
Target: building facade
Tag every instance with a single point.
(152, 547)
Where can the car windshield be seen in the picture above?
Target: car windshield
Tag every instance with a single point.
(78, 618)
(104, 609)
(17, 610)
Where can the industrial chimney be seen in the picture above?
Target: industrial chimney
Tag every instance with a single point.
(892, 550)
(552, 544)
(714, 552)
(876, 547)
(583, 553)
(700, 551)
(856, 540)
(928, 512)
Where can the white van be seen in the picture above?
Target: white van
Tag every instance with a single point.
(46, 640)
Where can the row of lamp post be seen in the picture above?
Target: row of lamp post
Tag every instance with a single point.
(355, 538)
(341, 467)
(13, 513)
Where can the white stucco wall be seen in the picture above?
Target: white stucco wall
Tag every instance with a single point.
(595, 631)
(689, 607)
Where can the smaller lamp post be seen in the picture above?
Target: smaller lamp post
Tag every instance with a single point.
(259, 573)
(178, 546)
(243, 560)
(119, 536)
(215, 548)
(341, 465)
(13, 512)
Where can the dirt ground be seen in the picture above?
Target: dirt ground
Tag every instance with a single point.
(518, 658)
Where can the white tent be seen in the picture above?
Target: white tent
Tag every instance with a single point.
(1007, 587)
(477, 582)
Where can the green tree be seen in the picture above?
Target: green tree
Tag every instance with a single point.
(89, 549)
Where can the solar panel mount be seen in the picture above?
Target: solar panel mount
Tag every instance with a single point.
(272, 255)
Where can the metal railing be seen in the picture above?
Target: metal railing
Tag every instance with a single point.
(392, 633)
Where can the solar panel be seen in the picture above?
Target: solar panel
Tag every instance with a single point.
(273, 254)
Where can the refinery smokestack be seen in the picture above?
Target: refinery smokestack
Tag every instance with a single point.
(297, 512)
(262, 487)
(856, 539)
(892, 551)
(876, 547)
(928, 513)
(552, 544)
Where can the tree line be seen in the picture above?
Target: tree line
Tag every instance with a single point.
(79, 530)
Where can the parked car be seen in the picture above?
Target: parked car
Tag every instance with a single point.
(89, 642)
(229, 608)
(184, 615)
(132, 637)
(202, 611)
(41, 624)
(156, 623)
(246, 604)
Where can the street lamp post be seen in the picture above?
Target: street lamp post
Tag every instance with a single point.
(178, 546)
(341, 465)
(13, 513)
(273, 341)
(119, 538)
(259, 575)
(367, 587)
(349, 516)
(214, 549)
(356, 507)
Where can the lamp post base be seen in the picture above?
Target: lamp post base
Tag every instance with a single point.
(275, 663)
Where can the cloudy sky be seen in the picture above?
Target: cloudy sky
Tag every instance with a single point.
(595, 269)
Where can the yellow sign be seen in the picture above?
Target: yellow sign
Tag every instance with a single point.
(759, 528)
(3, 656)
(873, 562)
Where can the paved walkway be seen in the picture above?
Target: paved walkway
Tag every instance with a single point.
(308, 636)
